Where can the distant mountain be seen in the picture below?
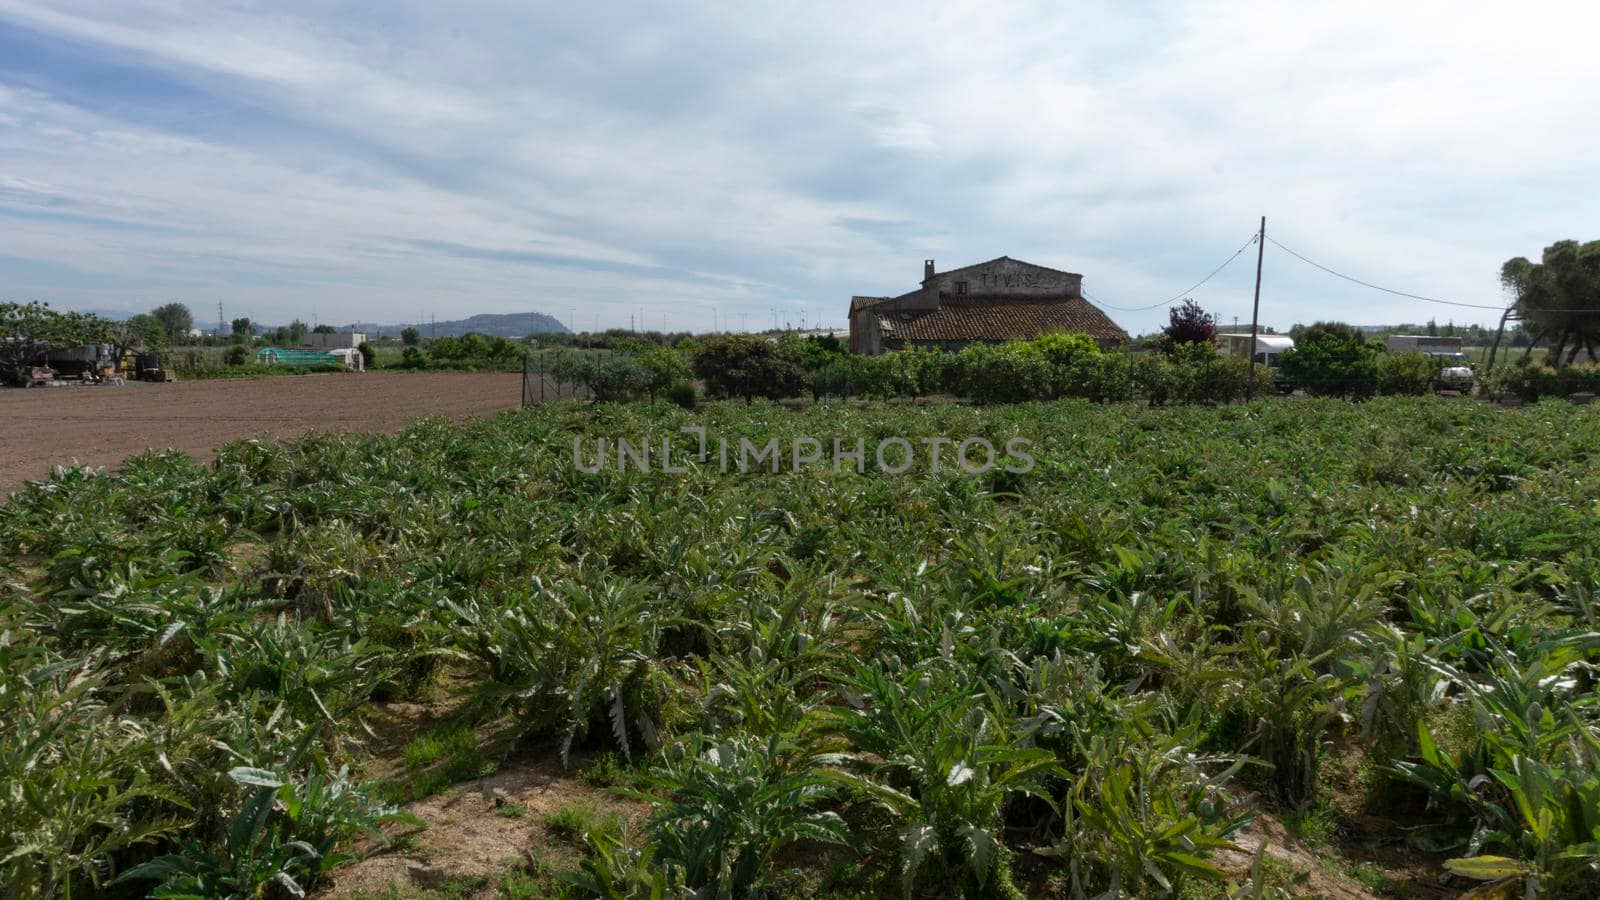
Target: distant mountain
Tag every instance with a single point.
(491, 324)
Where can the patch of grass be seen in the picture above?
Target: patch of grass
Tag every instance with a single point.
(1195, 889)
(1378, 882)
(1385, 792)
(539, 879)
(521, 885)
(435, 760)
(390, 892)
(572, 822)
(458, 888)
(817, 873)
(1313, 826)
(538, 883)
(462, 887)
(1277, 872)
(444, 741)
(611, 770)
(512, 810)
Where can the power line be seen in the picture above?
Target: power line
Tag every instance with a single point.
(1181, 294)
(1378, 287)
(1311, 262)
(1578, 309)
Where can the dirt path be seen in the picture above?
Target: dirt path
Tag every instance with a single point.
(481, 829)
(44, 427)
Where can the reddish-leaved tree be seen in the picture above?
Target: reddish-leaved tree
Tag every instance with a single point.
(1187, 323)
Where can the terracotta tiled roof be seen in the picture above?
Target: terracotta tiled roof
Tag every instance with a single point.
(999, 318)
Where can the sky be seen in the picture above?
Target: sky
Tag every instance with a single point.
(703, 165)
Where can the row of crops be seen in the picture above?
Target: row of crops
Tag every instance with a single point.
(1081, 679)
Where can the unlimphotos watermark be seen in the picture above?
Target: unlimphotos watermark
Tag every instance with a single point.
(892, 455)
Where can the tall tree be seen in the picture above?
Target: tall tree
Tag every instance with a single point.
(141, 332)
(27, 330)
(176, 319)
(1558, 298)
(243, 327)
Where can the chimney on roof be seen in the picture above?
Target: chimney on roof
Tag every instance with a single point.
(927, 269)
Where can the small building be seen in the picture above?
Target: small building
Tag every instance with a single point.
(339, 340)
(1423, 343)
(1000, 300)
(1268, 346)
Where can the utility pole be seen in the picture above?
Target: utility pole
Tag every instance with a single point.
(1255, 310)
(220, 331)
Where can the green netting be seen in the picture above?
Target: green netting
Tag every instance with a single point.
(286, 356)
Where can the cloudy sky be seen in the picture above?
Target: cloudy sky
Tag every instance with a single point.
(592, 160)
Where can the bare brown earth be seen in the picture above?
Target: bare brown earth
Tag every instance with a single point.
(469, 836)
(99, 425)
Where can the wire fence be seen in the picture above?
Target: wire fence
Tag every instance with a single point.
(541, 381)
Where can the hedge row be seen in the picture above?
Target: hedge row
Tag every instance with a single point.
(1531, 380)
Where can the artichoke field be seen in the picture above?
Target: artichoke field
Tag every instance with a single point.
(1085, 678)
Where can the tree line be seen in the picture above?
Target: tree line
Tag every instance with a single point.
(1334, 359)
(1180, 364)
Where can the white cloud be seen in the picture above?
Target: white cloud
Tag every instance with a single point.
(488, 156)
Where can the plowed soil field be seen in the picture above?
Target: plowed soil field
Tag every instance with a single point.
(98, 425)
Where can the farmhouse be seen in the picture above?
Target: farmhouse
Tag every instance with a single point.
(1000, 300)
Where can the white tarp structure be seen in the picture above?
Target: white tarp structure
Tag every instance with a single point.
(352, 359)
(1268, 346)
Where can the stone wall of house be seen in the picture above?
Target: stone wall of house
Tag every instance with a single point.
(1007, 276)
(866, 337)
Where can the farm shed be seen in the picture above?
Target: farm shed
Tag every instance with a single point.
(1003, 299)
(339, 340)
(1268, 346)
